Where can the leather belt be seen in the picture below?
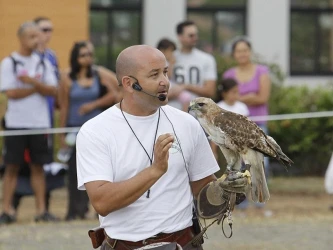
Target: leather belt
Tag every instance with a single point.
(182, 237)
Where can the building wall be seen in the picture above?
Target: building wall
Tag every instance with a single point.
(160, 18)
(70, 20)
(268, 30)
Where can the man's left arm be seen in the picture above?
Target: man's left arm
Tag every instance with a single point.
(202, 164)
(263, 94)
(200, 184)
(208, 89)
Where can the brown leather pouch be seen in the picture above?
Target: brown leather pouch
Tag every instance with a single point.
(97, 236)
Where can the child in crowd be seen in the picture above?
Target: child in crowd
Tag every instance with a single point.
(229, 94)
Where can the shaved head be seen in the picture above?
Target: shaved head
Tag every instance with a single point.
(28, 35)
(131, 59)
(24, 27)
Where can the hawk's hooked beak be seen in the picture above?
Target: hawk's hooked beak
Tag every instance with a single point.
(191, 107)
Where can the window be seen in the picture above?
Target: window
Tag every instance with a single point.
(114, 25)
(219, 22)
(311, 46)
(311, 3)
(224, 3)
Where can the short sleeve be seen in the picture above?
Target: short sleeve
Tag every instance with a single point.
(203, 162)
(228, 74)
(7, 77)
(263, 70)
(50, 76)
(210, 69)
(245, 110)
(93, 158)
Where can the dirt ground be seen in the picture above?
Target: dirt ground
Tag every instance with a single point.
(290, 220)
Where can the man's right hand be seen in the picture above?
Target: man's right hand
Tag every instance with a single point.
(26, 79)
(161, 152)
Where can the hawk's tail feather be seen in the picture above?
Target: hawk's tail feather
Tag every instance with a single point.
(280, 156)
(259, 190)
(284, 160)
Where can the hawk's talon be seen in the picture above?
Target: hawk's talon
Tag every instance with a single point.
(223, 177)
(226, 173)
(247, 174)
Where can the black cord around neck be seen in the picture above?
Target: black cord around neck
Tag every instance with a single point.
(187, 170)
(152, 154)
(181, 150)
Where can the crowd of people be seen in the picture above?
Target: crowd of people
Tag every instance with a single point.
(35, 87)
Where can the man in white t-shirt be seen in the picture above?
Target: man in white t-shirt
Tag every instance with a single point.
(26, 80)
(140, 160)
(194, 70)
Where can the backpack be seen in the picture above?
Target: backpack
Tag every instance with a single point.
(41, 63)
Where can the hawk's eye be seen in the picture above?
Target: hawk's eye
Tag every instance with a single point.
(201, 104)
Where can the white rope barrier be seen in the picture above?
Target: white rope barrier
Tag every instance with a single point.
(39, 131)
(292, 116)
(254, 118)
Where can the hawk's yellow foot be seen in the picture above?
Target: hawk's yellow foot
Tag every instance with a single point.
(222, 178)
(247, 174)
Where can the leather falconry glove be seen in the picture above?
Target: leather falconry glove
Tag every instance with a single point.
(214, 198)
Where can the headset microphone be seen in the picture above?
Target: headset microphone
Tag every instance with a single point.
(136, 86)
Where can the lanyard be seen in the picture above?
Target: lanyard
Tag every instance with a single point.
(152, 154)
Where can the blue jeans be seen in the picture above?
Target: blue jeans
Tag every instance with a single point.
(245, 203)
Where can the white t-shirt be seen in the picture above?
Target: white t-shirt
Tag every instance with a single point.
(31, 111)
(108, 150)
(238, 107)
(193, 68)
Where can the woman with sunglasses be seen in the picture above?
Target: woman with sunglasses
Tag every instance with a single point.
(81, 99)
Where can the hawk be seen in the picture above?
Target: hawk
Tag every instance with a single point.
(239, 139)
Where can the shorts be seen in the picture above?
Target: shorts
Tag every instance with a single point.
(38, 146)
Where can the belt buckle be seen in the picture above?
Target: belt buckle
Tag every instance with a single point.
(144, 242)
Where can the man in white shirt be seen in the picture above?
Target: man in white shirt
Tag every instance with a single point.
(141, 161)
(26, 80)
(194, 70)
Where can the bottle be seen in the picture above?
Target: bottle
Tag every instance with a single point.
(64, 154)
(70, 139)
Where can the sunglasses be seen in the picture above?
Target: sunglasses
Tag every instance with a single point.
(46, 30)
(88, 54)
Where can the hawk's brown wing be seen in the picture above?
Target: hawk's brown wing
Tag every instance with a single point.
(243, 132)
